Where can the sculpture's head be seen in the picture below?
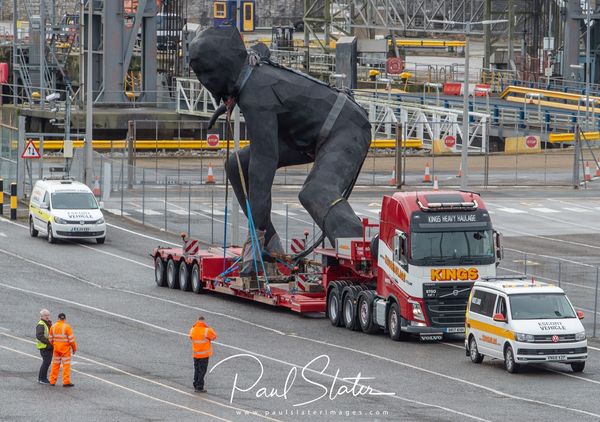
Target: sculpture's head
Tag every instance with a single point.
(217, 56)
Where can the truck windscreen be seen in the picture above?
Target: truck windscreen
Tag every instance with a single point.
(453, 247)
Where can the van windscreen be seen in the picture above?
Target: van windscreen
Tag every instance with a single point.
(73, 201)
(540, 306)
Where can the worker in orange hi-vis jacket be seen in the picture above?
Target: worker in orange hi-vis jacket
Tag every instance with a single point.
(62, 339)
(201, 335)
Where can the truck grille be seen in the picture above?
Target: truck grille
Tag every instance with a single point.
(565, 338)
(544, 352)
(446, 304)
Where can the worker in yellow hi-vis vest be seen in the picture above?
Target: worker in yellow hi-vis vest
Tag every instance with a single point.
(42, 332)
(201, 336)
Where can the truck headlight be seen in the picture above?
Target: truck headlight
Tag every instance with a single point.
(525, 338)
(580, 336)
(100, 221)
(417, 312)
(60, 220)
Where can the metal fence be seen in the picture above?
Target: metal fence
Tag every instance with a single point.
(577, 278)
(8, 154)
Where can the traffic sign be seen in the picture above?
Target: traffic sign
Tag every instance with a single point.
(449, 141)
(531, 141)
(30, 151)
(212, 139)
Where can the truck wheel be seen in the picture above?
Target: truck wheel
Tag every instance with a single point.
(334, 305)
(184, 276)
(51, 238)
(349, 308)
(509, 361)
(476, 357)
(172, 280)
(32, 231)
(365, 312)
(159, 272)
(196, 282)
(394, 323)
(578, 366)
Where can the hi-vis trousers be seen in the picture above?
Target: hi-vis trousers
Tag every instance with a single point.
(57, 359)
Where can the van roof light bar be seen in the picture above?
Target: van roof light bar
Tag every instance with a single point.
(504, 277)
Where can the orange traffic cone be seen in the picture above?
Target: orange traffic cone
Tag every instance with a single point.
(597, 169)
(211, 177)
(587, 174)
(459, 174)
(96, 189)
(427, 175)
(393, 178)
(435, 183)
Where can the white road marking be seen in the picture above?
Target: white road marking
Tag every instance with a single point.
(115, 211)
(578, 210)
(95, 362)
(22, 258)
(140, 234)
(545, 210)
(131, 390)
(3, 234)
(149, 212)
(512, 210)
(181, 212)
(282, 212)
(215, 211)
(376, 211)
(156, 327)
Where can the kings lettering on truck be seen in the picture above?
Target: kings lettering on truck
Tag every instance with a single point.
(414, 277)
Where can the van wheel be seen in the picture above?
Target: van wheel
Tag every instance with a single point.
(509, 361)
(51, 238)
(476, 357)
(159, 272)
(184, 276)
(394, 323)
(334, 305)
(32, 231)
(196, 282)
(172, 280)
(100, 240)
(578, 366)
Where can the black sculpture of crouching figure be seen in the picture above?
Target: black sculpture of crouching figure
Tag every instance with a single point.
(291, 119)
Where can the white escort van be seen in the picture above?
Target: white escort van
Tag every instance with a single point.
(65, 209)
(523, 321)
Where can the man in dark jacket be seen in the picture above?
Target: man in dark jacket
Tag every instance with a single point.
(42, 331)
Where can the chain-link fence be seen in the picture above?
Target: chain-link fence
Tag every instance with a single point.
(578, 279)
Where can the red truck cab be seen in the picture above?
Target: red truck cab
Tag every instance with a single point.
(431, 248)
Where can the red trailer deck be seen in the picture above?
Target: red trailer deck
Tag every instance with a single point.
(191, 268)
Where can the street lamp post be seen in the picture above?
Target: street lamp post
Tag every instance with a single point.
(465, 136)
(588, 12)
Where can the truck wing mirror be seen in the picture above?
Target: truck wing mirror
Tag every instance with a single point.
(499, 317)
(498, 245)
(580, 314)
(44, 206)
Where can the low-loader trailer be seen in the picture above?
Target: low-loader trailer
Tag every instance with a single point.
(413, 277)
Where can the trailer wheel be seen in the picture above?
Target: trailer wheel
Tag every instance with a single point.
(159, 272)
(365, 312)
(172, 280)
(334, 305)
(349, 316)
(395, 322)
(196, 282)
(184, 276)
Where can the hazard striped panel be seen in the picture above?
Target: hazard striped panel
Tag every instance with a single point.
(298, 245)
(191, 247)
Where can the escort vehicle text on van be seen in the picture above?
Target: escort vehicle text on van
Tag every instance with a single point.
(65, 209)
(523, 322)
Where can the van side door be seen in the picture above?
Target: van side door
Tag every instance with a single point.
(480, 320)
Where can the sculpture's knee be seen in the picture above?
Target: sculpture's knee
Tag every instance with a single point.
(308, 195)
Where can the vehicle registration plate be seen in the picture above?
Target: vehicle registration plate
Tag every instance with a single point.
(80, 229)
(455, 330)
(556, 357)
